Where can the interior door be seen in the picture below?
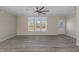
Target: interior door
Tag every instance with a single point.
(61, 26)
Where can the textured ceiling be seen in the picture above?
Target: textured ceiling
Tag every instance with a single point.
(29, 10)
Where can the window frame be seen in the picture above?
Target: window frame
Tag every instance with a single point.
(35, 18)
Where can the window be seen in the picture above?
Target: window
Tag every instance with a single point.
(37, 23)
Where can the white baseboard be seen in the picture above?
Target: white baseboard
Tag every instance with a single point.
(7, 37)
(36, 34)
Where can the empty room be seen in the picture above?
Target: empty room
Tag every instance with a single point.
(39, 29)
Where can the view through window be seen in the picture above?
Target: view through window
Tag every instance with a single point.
(37, 23)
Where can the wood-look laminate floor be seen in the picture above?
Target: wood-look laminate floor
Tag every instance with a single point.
(59, 43)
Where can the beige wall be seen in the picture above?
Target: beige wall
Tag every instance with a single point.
(22, 28)
(77, 26)
(71, 26)
(7, 25)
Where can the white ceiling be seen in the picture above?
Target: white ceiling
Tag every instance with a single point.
(29, 10)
